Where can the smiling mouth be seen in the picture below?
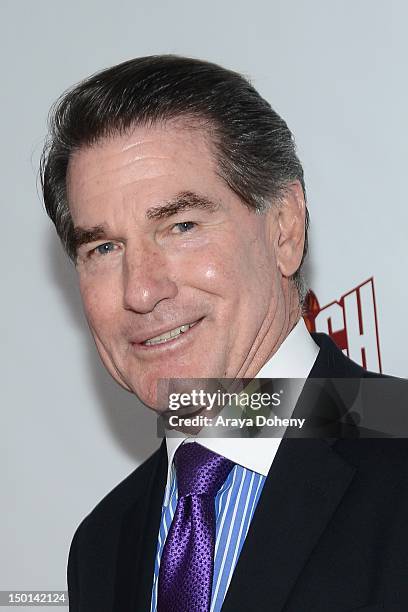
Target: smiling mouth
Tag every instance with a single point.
(170, 335)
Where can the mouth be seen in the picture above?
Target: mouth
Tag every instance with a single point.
(171, 336)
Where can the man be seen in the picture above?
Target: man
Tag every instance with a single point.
(177, 192)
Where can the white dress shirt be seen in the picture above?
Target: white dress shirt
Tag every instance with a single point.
(293, 359)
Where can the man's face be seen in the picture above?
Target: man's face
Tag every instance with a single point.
(178, 248)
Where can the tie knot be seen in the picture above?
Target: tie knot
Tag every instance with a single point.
(199, 470)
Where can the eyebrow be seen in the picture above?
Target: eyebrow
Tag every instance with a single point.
(187, 200)
(83, 235)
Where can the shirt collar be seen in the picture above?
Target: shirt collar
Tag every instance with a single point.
(293, 359)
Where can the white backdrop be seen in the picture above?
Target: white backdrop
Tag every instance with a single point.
(335, 70)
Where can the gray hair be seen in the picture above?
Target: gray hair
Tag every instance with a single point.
(255, 150)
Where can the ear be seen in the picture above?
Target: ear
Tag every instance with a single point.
(290, 236)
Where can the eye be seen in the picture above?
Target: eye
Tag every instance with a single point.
(184, 226)
(103, 249)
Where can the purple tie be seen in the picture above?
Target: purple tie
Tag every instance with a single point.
(187, 562)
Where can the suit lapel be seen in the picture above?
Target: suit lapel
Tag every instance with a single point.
(304, 486)
(138, 541)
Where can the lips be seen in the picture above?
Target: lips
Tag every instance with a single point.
(163, 335)
(173, 333)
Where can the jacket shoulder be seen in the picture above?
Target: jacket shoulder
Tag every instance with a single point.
(332, 362)
(93, 549)
(125, 494)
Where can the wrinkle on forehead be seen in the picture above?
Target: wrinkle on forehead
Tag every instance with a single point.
(197, 132)
(120, 168)
(155, 152)
(136, 144)
(153, 137)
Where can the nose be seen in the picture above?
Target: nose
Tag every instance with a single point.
(146, 279)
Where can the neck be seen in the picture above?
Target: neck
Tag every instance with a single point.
(284, 319)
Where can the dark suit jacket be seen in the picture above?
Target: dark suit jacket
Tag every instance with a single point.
(329, 534)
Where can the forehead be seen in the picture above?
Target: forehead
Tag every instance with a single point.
(154, 158)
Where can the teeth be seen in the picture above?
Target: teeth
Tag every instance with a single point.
(170, 334)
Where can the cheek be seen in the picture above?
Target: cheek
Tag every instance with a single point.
(231, 261)
(235, 278)
(212, 269)
(100, 301)
(236, 265)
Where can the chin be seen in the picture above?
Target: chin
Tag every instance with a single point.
(154, 395)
